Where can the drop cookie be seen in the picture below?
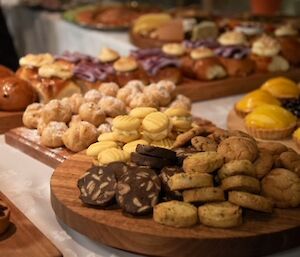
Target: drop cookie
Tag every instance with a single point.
(237, 167)
(205, 194)
(241, 183)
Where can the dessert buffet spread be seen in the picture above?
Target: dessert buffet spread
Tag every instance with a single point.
(19, 237)
(159, 177)
(270, 112)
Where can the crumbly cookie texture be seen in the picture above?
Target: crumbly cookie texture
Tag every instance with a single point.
(237, 167)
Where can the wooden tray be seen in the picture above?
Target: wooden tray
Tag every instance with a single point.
(23, 239)
(261, 234)
(9, 120)
(201, 90)
(236, 122)
(28, 141)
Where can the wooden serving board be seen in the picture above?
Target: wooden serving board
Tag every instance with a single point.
(237, 123)
(28, 141)
(201, 90)
(23, 239)
(9, 120)
(261, 234)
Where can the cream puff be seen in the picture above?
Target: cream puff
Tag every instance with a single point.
(265, 53)
(232, 38)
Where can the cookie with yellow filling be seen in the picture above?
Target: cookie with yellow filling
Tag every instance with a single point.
(296, 137)
(254, 99)
(270, 122)
(281, 88)
(112, 155)
(156, 126)
(141, 112)
(96, 148)
(180, 118)
(126, 128)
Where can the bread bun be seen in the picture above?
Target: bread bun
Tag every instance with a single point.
(15, 94)
(5, 72)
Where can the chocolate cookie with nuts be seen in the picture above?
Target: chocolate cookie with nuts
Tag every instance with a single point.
(97, 187)
(138, 191)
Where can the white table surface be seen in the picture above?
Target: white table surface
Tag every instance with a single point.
(26, 182)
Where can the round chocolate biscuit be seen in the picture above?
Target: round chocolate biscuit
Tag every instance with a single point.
(158, 152)
(167, 193)
(97, 187)
(118, 168)
(138, 191)
(150, 161)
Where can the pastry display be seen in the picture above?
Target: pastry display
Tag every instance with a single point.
(221, 173)
(4, 217)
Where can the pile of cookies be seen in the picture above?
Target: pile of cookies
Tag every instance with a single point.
(77, 121)
(4, 217)
(209, 176)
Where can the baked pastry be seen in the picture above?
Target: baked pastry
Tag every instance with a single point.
(55, 110)
(220, 215)
(238, 148)
(202, 64)
(180, 118)
(181, 101)
(75, 101)
(251, 30)
(144, 100)
(282, 88)
(92, 113)
(254, 99)
(51, 135)
(5, 72)
(32, 115)
(283, 187)
(126, 128)
(175, 214)
(158, 94)
(265, 53)
(109, 89)
(15, 94)
(232, 38)
(236, 60)
(204, 30)
(127, 69)
(289, 160)
(108, 55)
(93, 95)
(270, 122)
(112, 106)
(75, 118)
(129, 91)
(96, 148)
(4, 217)
(80, 136)
(288, 38)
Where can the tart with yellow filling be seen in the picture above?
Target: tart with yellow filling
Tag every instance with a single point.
(270, 122)
(296, 137)
(254, 99)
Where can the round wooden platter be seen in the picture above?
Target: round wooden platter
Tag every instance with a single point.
(259, 235)
(237, 123)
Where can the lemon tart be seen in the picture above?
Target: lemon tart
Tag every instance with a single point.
(254, 99)
(270, 122)
(296, 137)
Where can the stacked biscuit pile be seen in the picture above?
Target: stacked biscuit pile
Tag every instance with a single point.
(210, 176)
(77, 121)
(142, 126)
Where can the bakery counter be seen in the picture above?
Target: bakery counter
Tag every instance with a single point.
(26, 182)
(40, 31)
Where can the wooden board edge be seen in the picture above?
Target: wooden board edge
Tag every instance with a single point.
(33, 150)
(10, 120)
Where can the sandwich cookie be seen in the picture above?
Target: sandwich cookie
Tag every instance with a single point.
(126, 128)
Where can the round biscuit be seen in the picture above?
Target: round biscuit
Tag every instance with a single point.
(126, 122)
(237, 167)
(155, 122)
(112, 155)
(205, 194)
(165, 143)
(241, 183)
(96, 148)
(250, 201)
(109, 136)
(141, 112)
(131, 147)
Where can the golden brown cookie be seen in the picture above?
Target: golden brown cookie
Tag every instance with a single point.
(205, 194)
(181, 181)
(290, 160)
(283, 187)
(204, 144)
(237, 167)
(219, 135)
(238, 148)
(175, 214)
(241, 183)
(202, 162)
(263, 164)
(250, 201)
(220, 215)
(273, 147)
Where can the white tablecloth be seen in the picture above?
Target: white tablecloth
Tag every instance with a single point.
(26, 182)
(38, 32)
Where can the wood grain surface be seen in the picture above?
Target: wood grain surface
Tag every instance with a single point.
(23, 239)
(237, 123)
(28, 141)
(9, 120)
(261, 234)
(201, 90)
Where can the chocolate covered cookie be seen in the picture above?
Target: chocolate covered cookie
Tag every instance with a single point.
(138, 191)
(150, 161)
(97, 186)
(158, 152)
